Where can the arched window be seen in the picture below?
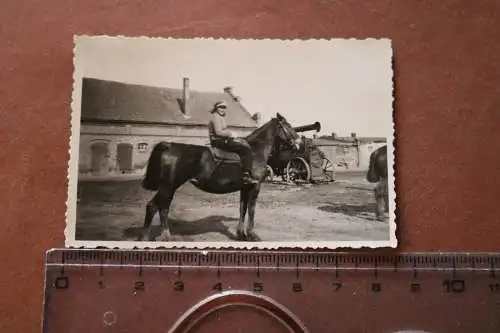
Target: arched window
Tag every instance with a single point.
(142, 147)
(124, 155)
(99, 157)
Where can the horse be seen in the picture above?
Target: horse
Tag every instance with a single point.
(377, 173)
(212, 170)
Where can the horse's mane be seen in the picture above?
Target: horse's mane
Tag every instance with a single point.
(257, 132)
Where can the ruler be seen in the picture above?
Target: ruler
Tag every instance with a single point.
(152, 291)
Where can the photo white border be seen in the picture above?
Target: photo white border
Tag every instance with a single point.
(72, 176)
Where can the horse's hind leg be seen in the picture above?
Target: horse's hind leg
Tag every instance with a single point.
(166, 195)
(240, 232)
(151, 209)
(380, 201)
(386, 194)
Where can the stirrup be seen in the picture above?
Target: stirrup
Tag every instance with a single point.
(248, 179)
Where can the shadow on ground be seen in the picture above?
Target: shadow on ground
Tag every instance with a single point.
(360, 188)
(365, 211)
(190, 228)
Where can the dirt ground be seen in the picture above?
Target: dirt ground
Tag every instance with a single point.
(339, 211)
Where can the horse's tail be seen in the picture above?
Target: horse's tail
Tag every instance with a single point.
(372, 175)
(151, 179)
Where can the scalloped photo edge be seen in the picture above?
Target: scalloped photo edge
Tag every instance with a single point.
(135, 96)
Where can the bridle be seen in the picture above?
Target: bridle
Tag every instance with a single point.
(289, 137)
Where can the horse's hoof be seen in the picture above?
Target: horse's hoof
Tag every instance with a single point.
(164, 238)
(241, 236)
(252, 237)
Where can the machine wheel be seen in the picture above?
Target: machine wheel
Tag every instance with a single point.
(297, 170)
(329, 170)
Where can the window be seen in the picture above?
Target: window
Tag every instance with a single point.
(142, 147)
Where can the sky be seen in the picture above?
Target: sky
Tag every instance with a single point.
(345, 84)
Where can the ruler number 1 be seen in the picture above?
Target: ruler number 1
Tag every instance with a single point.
(454, 286)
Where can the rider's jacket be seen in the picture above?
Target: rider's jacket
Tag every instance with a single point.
(217, 127)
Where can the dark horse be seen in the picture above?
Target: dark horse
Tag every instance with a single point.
(377, 172)
(211, 170)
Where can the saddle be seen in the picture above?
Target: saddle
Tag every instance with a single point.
(222, 155)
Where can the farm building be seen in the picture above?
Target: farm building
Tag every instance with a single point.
(120, 123)
(349, 153)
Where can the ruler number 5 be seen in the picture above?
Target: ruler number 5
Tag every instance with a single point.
(336, 286)
(258, 287)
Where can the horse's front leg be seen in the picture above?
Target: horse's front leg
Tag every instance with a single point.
(252, 203)
(240, 232)
(386, 194)
(165, 198)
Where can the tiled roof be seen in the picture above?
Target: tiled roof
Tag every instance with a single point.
(104, 100)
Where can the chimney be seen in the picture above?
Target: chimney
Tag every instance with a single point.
(229, 91)
(185, 96)
(257, 117)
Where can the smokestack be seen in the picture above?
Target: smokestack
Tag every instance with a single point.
(257, 117)
(229, 91)
(185, 96)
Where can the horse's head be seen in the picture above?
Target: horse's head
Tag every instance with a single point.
(286, 133)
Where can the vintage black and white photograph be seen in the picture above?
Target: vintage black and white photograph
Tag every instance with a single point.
(212, 143)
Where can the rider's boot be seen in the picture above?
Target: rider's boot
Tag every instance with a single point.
(248, 179)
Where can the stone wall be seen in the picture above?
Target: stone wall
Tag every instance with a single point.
(350, 157)
(106, 150)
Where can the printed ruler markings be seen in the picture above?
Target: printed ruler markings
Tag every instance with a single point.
(454, 265)
(63, 261)
(101, 268)
(218, 267)
(474, 263)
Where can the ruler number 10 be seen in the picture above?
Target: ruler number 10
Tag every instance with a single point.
(454, 286)
(495, 287)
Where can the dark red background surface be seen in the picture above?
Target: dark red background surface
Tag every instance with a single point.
(447, 65)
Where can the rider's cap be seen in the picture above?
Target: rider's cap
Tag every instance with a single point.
(220, 105)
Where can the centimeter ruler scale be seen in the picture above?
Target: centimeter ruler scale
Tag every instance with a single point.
(95, 290)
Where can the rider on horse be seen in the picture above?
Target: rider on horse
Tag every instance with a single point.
(223, 139)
